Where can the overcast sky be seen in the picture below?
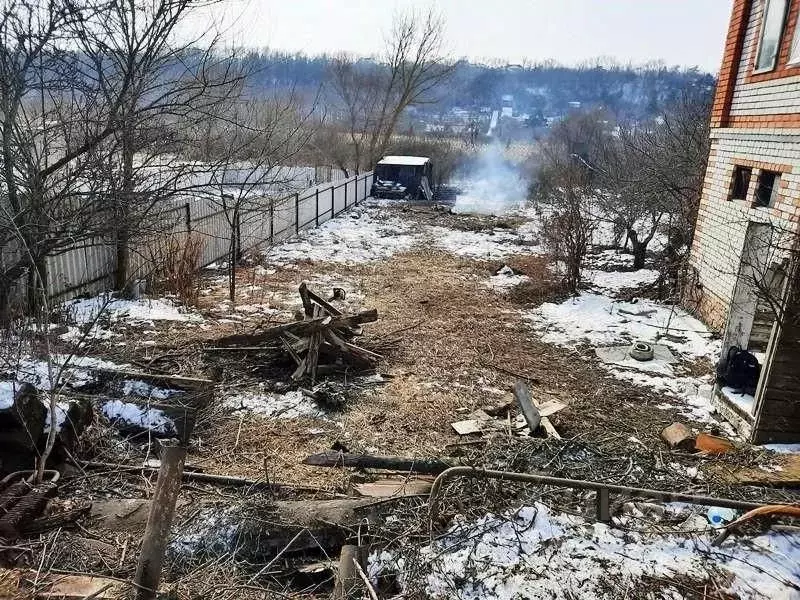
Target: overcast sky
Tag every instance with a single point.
(682, 32)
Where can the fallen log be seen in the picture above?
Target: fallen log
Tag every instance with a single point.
(331, 458)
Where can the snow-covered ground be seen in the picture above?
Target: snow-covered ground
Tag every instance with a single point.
(533, 552)
(291, 405)
(365, 234)
(88, 310)
(600, 320)
(495, 244)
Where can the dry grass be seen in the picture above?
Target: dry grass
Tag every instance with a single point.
(176, 259)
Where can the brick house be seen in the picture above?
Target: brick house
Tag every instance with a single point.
(744, 250)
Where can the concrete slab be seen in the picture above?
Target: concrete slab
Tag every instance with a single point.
(620, 356)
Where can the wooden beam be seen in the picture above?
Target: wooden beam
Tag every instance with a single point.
(162, 509)
(331, 458)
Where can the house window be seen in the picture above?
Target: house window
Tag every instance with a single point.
(767, 189)
(741, 182)
(771, 31)
(794, 52)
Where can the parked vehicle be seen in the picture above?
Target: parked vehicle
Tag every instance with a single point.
(403, 177)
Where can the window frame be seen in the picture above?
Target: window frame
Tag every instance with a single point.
(776, 184)
(794, 45)
(734, 179)
(762, 28)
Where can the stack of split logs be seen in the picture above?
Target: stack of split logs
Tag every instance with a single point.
(320, 342)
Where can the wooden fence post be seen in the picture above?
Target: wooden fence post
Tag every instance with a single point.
(159, 520)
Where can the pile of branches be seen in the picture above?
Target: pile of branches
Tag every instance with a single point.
(321, 342)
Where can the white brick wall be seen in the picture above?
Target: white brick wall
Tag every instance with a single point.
(722, 223)
(773, 97)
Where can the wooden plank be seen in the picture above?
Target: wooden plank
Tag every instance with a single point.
(779, 407)
(468, 427)
(173, 381)
(550, 407)
(520, 388)
(159, 520)
(308, 307)
(789, 472)
(331, 310)
(389, 488)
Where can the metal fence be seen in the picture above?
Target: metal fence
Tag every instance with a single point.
(90, 266)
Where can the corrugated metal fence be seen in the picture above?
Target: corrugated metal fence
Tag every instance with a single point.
(89, 267)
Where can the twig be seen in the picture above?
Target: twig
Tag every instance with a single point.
(365, 579)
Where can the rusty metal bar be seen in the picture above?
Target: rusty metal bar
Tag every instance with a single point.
(603, 490)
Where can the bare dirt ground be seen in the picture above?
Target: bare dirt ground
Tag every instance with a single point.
(451, 344)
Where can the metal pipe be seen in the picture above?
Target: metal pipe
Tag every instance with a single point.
(601, 488)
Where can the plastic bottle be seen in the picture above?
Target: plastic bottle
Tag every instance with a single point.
(718, 516)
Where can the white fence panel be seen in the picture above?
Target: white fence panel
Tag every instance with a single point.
(89, 267)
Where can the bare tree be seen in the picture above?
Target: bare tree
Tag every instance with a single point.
(172, 86)
(565, 186)
(371, 98)
(256, 142)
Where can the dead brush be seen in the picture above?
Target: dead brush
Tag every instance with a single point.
(177, 262)
(542, 285)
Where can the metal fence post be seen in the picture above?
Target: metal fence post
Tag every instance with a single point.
(297, 213)
(345, 193)
(271, 220)
(333, 200)
(316, 212)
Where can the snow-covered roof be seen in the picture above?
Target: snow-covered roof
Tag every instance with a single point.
(416, 161)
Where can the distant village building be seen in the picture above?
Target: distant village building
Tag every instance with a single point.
(507, 106)
(744, 253)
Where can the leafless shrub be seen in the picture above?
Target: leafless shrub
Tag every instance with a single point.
(566, 234)
(176, 260)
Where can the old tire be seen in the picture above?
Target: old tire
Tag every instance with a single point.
(641, 351)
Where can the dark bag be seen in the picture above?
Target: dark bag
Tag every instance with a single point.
(739, 370)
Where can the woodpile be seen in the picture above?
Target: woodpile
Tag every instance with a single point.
(319, 343)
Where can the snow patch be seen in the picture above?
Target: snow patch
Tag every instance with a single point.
(291, 405)
(8, 389)
(357, 237)
(495, 244)
(599, 320)
(134, 415)
(610, 281)
(532, 553)
(90, 309)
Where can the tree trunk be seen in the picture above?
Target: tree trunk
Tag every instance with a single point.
(232, 266)
(37, 282)
(122, 258)
(639, 249)
(124, 205)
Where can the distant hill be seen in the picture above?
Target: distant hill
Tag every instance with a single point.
(627, 92)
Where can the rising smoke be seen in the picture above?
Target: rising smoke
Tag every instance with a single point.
(492, 185)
